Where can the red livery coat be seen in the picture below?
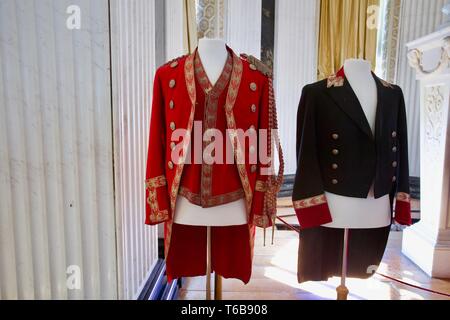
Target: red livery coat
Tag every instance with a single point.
(175, 99)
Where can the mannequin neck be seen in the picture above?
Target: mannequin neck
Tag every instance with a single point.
(214, 54)
(212, 47)
(357, 68)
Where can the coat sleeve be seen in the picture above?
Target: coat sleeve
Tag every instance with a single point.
(157, 196)
(264, 204)
(403, 199)
(309, 198)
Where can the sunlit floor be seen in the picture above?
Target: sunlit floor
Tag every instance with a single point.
(274, 277)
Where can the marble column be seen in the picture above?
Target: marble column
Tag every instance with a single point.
(174, 29)
(242, 23)
(428, 243)
(295, 65)
(417, 19)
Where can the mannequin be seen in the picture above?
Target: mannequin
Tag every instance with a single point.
(353, 213)
(213, 53)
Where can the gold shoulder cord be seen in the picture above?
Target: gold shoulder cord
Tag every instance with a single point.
(175, 60)
(274, 182)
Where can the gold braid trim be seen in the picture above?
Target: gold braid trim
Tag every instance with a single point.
(386, 84)
(310, 202)
(175, 60)
(261, 186)
(402, 196)
(156, 215)
(274, 182)
(260, 66)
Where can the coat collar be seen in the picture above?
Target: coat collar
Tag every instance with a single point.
(235, 78)
(203, 80)
(342, 93)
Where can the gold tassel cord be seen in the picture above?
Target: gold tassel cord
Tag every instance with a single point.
(275, 182)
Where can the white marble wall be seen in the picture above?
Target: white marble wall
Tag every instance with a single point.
(57, 228)
(418, 18)
(135, 49)
(243, 26)
(175, 22)
(295, 65)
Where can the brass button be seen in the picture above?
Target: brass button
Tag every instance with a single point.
(170, 165)
(335, 166)
(335, 152)
(334, 181)
(174, 64)
(172, 83)
(172, 145)
(173, 126)
(253, 108)
(335, 136)
(171, 104)
(394, 149)
(394, 179)
(394, 164)
(394, 134)
(253, 67)
(253, 86)
(253, 168)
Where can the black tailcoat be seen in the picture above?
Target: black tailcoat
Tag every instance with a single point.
(338, 153)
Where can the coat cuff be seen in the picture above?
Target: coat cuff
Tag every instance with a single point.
(403, 209)
(157, 201)
(313, 212)
(263, 206)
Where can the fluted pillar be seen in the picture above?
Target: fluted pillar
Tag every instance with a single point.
(243, 26)
(417, 19)
(295, 65)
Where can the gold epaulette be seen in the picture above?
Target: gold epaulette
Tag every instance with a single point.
(257, 64)
(174, 62)
(387, 84)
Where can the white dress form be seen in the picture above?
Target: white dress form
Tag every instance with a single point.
(214, 54)
(354, 213)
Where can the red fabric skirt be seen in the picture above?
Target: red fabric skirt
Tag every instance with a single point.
(231, 252)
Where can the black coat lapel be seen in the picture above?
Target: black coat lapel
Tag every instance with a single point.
(383, 103)
(346, 99)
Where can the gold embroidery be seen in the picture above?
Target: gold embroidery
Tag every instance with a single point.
(210, 116)
(157, 182)
(233, 90)
(335, 81)
(401, 196)
(274, 182)
(261, 186)
(190, 86)
(211, 201)
(174, 62)
(387, 84)
(261, 221)
(156, 215)
(258, 65)
(310, 202)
